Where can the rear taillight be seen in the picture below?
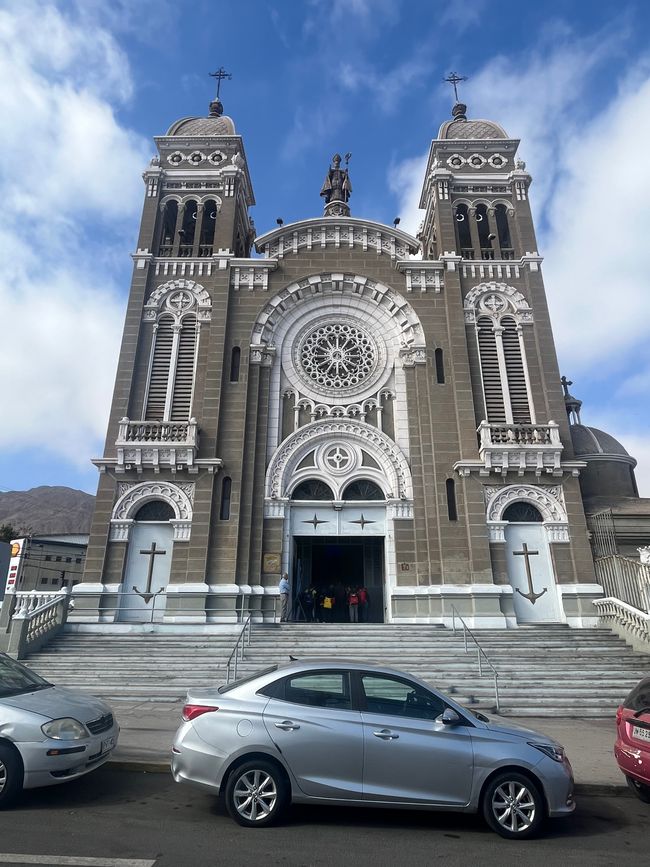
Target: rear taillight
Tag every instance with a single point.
(619, 714)
(191, 711)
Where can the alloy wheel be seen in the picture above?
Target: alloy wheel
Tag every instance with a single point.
(514, 806)
(3, 776)
(255, 795)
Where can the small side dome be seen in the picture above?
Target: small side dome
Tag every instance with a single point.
(592, 442)
(462, 128)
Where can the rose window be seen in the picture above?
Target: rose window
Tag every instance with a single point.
(338, 355)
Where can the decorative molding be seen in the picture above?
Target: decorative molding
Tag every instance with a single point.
(179, 297)
(395, 470)
(495, 300)
(337, 232)
(422, 276)
(251, 277)
(327, 285)
(179, 496)
(183, 267)
(549, 499)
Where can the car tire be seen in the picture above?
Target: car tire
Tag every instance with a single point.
(505, 791)
(11, 776)
(641, 790)
(256, 794)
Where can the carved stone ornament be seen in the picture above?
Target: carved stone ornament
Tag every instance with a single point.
(495, 300)
(178, 297)
(323, 286)
(179, 496)
(332, 433)
(548, 499)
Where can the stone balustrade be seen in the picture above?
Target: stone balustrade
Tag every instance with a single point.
(625, 620)
(520, 447)
(156, 444)
(35, 618)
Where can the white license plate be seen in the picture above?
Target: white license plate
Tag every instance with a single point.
(641, 734)
(108, 744)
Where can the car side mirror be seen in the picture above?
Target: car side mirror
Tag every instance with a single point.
(450, 717)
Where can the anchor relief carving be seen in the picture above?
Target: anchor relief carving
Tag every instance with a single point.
(531, 595)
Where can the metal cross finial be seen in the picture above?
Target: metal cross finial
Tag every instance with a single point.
(565, 385)
(220, 75)
(453, 79)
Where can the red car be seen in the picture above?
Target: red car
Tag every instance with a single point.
(632, 748)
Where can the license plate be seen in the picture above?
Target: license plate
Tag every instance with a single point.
(108, 744)
(641, 734)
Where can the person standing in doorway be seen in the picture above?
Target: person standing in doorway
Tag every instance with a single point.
(353, 605)
(364, 601)
(285, 589)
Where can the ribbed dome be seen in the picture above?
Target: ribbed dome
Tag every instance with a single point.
(462, 128)
(592, 441)
(203, 126)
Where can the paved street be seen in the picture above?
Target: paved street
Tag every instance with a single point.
(135, 819)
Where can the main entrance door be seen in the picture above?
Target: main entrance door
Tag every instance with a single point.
(326, 562)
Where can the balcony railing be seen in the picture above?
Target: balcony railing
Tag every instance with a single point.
(165, 250)
(156, 443)
(520, 447)
(467, 252)
(507, 253)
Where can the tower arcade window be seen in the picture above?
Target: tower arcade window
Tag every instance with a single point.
(463, 234)
(483, 226)
(208, 225)
(503, 232)
(169, 218)
(188, 229)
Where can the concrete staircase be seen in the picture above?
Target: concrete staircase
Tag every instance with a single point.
(543, 671)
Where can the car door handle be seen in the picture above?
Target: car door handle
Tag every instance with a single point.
(287, 726)
(386, 735)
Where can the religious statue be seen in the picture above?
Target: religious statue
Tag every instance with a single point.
(337, 186)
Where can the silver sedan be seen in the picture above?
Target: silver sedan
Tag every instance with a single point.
(48, 734)
(328, 732)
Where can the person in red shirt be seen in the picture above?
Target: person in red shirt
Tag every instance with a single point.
(353, 606)
(364, 601)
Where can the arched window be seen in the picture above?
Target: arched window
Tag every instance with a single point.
(503, 232)
(517, 388)
(235, 358)
(490, 371)
(363, 489)
(188, 229)
(226, 491)
(208, 224)
(483, 226)
(171, 377)
(522, 512)
(155, 510)
(452, 510)
(440, 366)
(169, 217)
(312, 489)
(463, 234)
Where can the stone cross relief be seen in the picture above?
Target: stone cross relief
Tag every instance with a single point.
(153, 552)
(531, 595)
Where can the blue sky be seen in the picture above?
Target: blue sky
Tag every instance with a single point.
(87, 85)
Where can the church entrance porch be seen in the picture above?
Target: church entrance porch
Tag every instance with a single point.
(530, 572)
(332, 563)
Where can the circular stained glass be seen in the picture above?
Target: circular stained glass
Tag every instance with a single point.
(338, 355)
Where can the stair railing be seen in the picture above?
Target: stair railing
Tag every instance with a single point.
(481, 655)
(237, 654)
(36, 617)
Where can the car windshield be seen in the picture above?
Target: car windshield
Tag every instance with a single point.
(15, 678)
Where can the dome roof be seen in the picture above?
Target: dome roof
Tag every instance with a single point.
(203, 126)
(462, 128)
(592, 442)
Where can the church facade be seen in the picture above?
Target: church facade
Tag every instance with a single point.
(353, 405)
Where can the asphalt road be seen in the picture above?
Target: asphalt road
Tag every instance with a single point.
(117, 818)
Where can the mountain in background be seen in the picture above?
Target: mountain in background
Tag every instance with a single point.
(47, 510)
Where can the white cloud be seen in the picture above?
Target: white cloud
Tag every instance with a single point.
(71, 192)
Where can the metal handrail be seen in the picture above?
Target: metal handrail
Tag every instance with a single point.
(481, 655)
(238, 650)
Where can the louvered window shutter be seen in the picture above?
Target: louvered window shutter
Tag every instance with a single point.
(162, 354)
(515, 371)
(492, 391)
(184, 379)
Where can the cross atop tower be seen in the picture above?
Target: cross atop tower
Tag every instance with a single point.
(220, 75)
(565, 385)
(453, 79)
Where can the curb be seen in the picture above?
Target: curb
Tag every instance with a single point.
(591, 790)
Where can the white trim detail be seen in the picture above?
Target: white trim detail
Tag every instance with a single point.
(548, 499)
(395, 471)
(179, 496)
(198, 298)
(509, 300)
